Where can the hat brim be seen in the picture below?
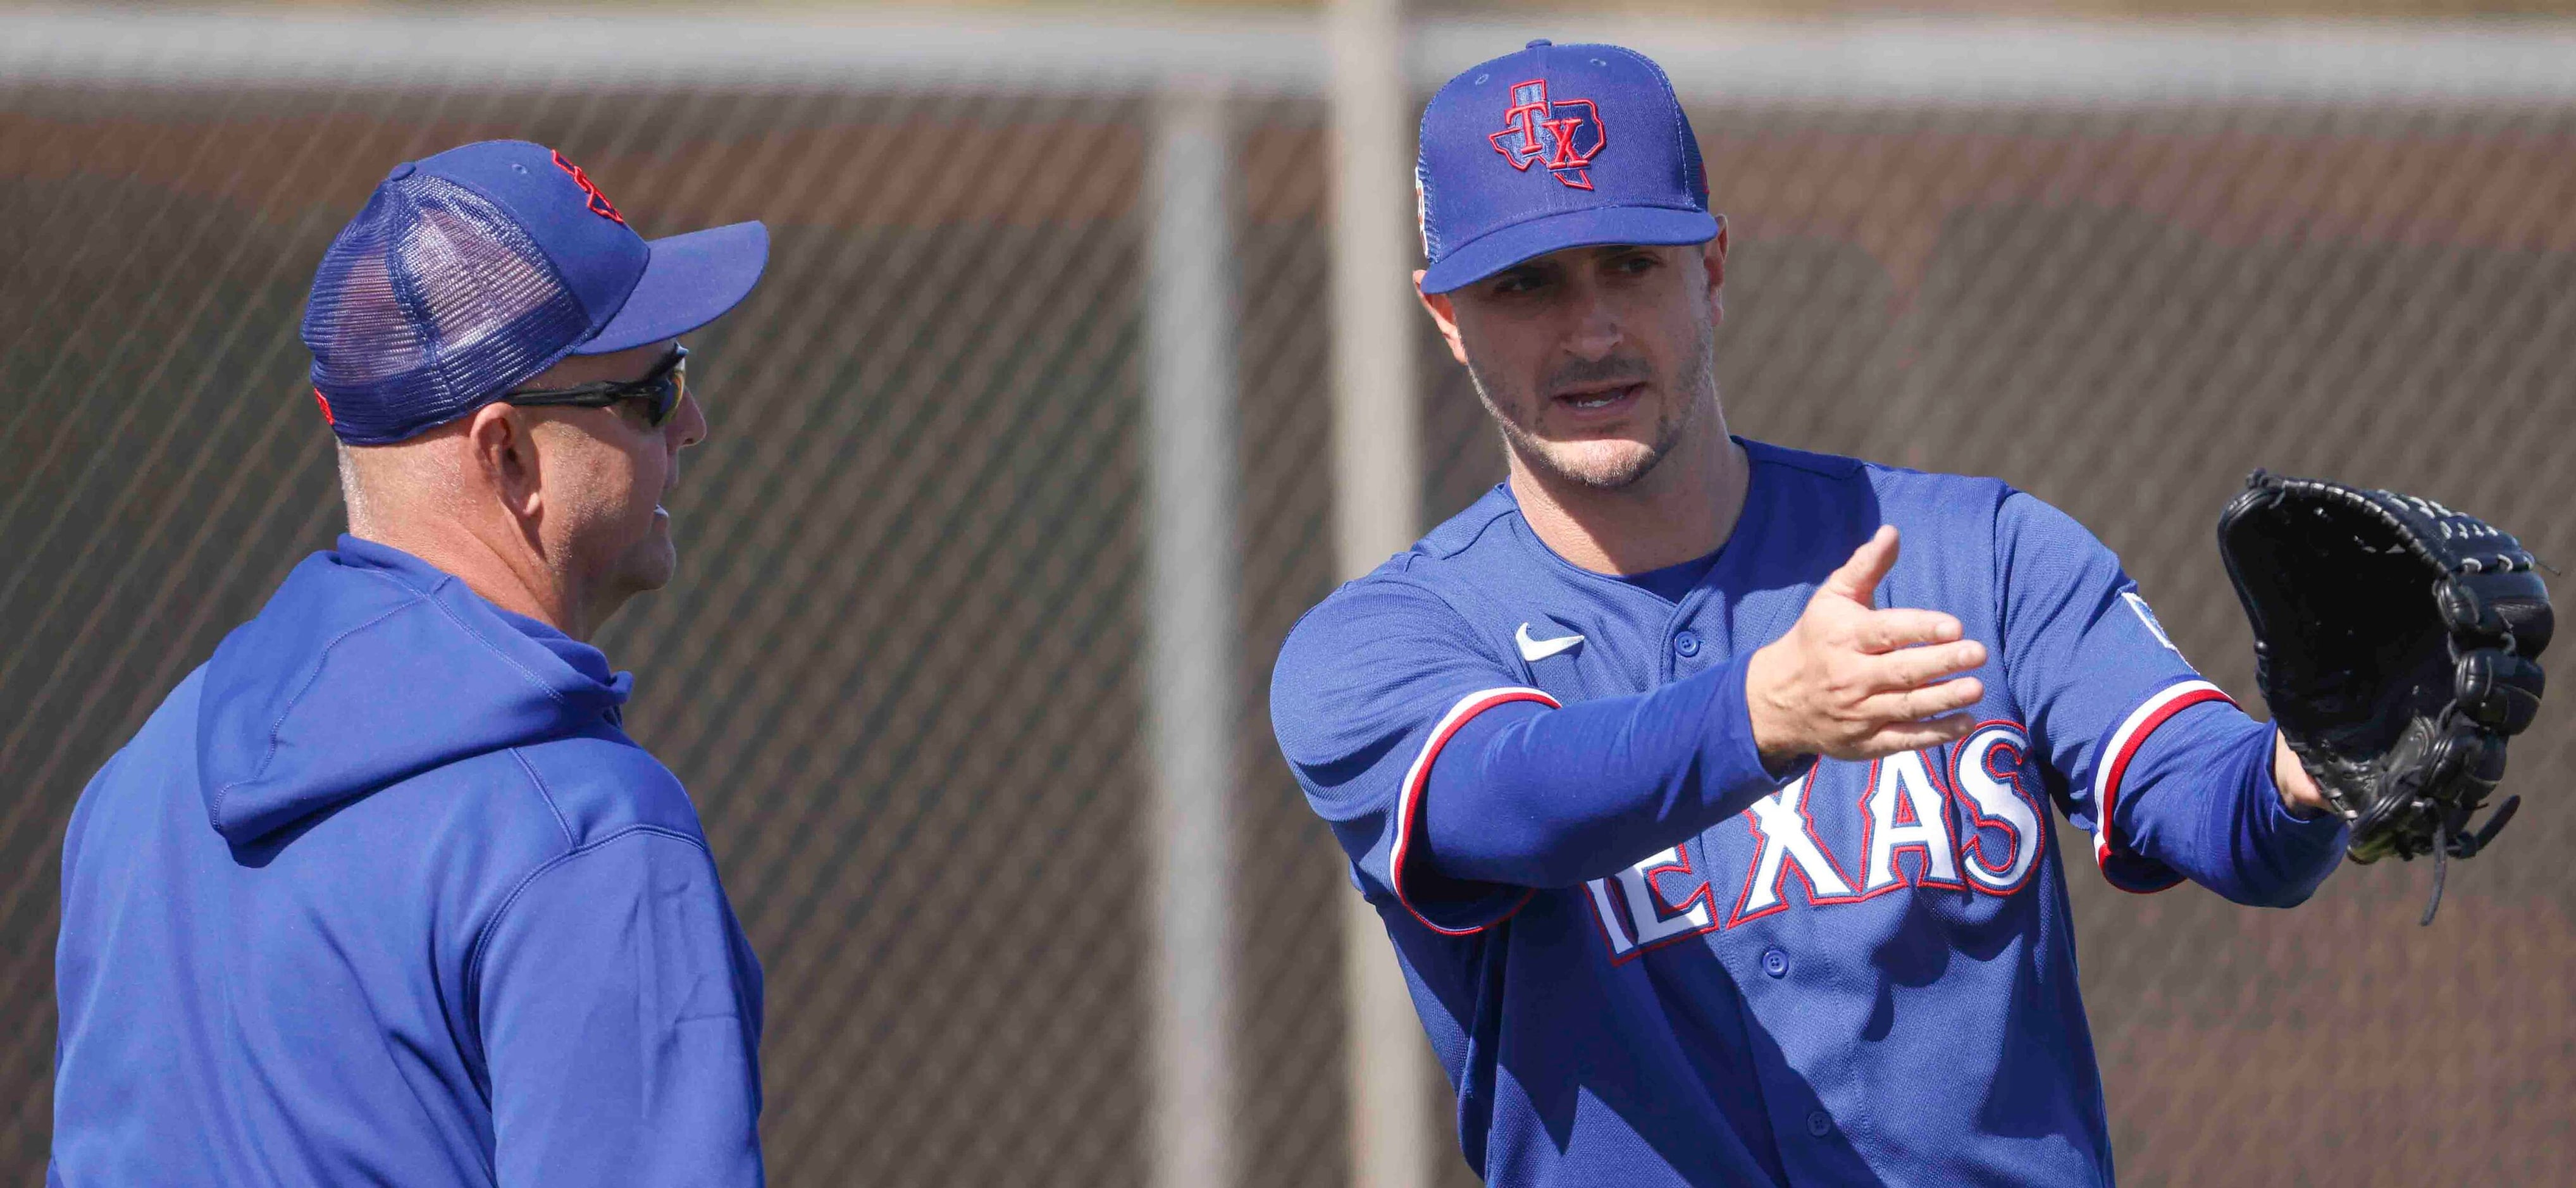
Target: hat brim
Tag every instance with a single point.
(689, 281)
(1504, 247)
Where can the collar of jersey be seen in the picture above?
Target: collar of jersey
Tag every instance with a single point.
(1756, 501)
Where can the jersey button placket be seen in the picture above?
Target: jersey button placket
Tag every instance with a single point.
(1775, 962)
(1819, 1123)
(1686, 644)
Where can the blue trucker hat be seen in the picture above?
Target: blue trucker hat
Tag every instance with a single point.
(1554, 147)
(473, 270)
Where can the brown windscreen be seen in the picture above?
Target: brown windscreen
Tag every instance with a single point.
(900, 669)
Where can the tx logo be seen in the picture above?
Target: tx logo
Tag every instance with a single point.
(1563, 135)
(599, 203)
(1964, 818)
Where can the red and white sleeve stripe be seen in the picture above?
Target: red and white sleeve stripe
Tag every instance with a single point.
(1408, 819)
(2155, 711)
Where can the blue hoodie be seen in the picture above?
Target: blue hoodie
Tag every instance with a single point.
(383, 894)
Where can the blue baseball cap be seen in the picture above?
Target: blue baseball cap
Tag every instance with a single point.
(473, 270)
(1554, 147)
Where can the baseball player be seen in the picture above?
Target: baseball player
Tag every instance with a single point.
(1705, 786)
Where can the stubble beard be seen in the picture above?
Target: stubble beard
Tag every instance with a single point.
(1608, 470)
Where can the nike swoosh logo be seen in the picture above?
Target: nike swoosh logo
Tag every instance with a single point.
(1535, 650)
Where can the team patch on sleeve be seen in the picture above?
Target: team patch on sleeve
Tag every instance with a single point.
(1408, 822)
(2155, 627)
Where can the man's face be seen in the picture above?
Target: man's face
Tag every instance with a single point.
(1596, 361)
(607, 474)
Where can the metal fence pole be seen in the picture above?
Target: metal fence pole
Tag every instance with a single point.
(1191, 629)
(1376, 511)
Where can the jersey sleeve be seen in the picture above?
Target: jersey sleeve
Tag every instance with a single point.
(2094, 670)
(2198, 797)
(1370, 687)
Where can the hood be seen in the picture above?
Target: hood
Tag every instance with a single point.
(369, 666)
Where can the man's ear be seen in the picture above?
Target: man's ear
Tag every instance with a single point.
(1443, 315)
(1713, 253)
(505, 454)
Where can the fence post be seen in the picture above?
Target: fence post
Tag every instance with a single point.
(1377, 486)
(1191, 630)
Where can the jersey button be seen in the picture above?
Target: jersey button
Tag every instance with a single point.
(1687, 643)
(1819, 1123)
(1775, 962)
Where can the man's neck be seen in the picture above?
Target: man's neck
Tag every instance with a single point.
(1683, 509)
(505, 574)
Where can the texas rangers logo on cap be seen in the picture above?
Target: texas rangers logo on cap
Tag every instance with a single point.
(1557, 104)
(1566, 134)
(599, 203)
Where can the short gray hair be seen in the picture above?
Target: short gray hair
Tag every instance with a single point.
(353, 491)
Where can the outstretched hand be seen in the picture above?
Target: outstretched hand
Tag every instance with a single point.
(1850, 681)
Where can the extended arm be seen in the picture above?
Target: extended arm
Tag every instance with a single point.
(2200, 796)
(2191, 788)
(1456, 790)
(1539, 797)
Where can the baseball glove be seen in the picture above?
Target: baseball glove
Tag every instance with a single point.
(2398, 643)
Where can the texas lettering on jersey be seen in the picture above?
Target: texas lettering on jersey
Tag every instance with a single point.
(1967, 818)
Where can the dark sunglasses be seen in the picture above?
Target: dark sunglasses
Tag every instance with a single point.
(661, 390)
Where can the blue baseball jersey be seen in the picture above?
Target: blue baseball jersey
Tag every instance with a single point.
(1860, 972)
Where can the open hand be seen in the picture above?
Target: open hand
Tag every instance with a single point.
(1850, 681)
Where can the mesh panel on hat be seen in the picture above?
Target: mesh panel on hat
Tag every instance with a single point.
(430, 302)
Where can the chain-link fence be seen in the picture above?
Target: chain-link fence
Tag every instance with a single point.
(896, 671)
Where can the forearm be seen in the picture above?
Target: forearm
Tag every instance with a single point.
(1538, 797)
(2201, 799)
